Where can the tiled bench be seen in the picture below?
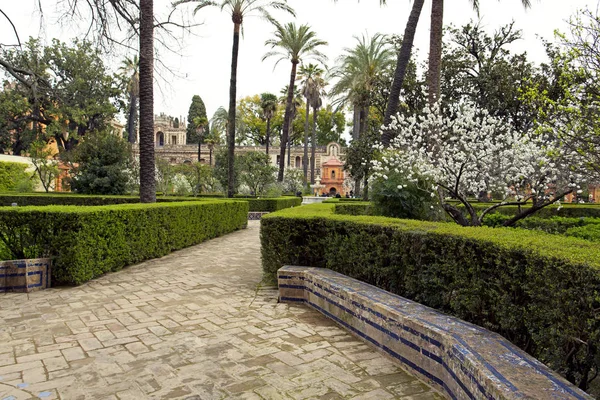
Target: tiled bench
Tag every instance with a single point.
(24, 275)
(462, 360)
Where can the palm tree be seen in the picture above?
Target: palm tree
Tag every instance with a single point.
(402, 61)
(295, 43)
(435, 46)
(268, 103)
(296, 103)
(130, 68)
(219, 123)
(147, 179)
(357, 71)
(239, 9)
(316, 103)
(310, 75)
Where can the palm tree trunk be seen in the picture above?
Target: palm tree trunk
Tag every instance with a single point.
(356, 123)
(147, 179)
(313, 143)
(131, 118)
(435, 50)
(357, 187)
(364, 118)
(401, 65)
(286, 122)
(289, 146)
(268, 134)
(305, 159)
(199, 148)
(231, 116)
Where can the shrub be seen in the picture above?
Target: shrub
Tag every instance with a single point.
(12, 174)
(355, 208)
(565, 210)
(538, 290)
(587, 232)
(87, 242)
(396, 197)
(269, 205)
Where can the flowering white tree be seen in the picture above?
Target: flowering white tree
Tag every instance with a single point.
(462, 152)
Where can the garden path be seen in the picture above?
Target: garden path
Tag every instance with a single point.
(191, 325)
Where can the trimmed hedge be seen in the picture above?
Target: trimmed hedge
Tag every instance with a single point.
(355, 208)
(43, 199)
(565, 210)
(274, 204)
(540, 291)
(87, 242)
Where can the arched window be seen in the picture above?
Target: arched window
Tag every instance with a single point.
(333, 174)
(298, 162)
(160, 139)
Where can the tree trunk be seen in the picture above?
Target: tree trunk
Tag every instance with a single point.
(357, 187)
(364, 118)
(305, 159)
(286, 122)
(231, 116)
(199, 148)
(268, 135)
(366, 189)
(147, 178)
(401, 65)
(356, 122)
(313, 150)
(435, 51)
(131, 136)
(289, 146)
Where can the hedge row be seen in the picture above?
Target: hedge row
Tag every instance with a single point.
(274, 204)
(355, 208)
(87, 242)
(540, 291)
(564, 210)
(43, 199)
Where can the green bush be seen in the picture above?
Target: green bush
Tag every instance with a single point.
(565, 210)
(557, 225)
(355, 208)
(398, 198)
(269, 205)
(87, 242)
(540, 291)
(14, 175)
(587, 232)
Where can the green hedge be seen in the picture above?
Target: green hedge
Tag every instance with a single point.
(540, 291)
(274, 204)
(565, 210)
(355, 208)
(87, 242)
(43, 199)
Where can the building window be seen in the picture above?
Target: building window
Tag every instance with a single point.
(278, 158)
(160, 139)
(298, 162)
(173, 139)
(332, 174)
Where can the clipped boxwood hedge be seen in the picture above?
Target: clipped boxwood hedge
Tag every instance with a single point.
(564, 210)
(273, 204)
(87, 242)
(540, 291)
(44, 199)
(355, 208)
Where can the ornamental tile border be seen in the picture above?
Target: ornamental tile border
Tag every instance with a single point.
(461, 360)
(25, 275)
(255, 215)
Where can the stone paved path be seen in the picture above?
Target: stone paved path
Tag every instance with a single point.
(192, 325)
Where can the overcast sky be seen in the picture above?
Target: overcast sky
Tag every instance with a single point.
(203, 63)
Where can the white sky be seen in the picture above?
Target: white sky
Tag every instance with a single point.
(203, 66)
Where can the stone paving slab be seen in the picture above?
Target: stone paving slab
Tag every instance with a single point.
(191, 325)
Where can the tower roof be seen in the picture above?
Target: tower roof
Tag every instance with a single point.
(334, 162)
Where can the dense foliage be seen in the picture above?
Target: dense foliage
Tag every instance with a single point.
(14, 175)
(86, 242)
(537, 290)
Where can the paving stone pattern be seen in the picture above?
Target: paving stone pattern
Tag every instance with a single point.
(191, 325)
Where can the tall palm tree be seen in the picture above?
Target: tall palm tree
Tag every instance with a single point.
(316, 103)
(296, 104)
(239, 9)
(435, 45)
(147, 179)
(268, 103)
(402, 61)
(130, 68)
(311, 84)
(294, 43)
(357, 71)
(219, 123)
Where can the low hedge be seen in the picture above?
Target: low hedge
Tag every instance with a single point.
(87, 242)
(355, 208)
(273, 204)
(540, 291)
(564, 210)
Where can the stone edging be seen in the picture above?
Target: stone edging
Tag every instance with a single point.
(461, 360)
(25, 275)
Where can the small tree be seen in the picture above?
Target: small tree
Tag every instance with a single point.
(103, 163)
(45, 165)
(199, 177)
(256, 173)
(465, 151)
(165, 173)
